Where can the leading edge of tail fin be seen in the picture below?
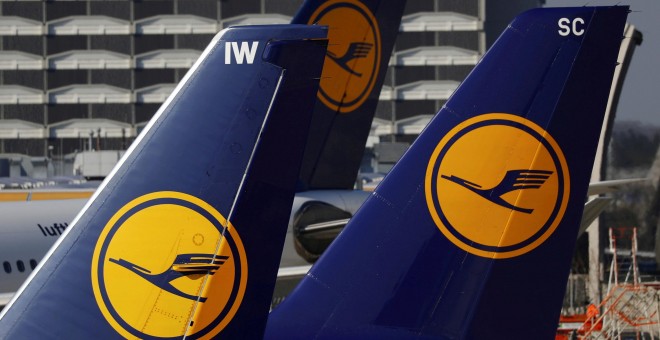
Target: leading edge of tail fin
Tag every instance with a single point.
(184, 237)
(471, 234)
(361, 38)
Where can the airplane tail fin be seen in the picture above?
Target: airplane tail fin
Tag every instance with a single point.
(168, 246)
(361, 38)
(427, 256)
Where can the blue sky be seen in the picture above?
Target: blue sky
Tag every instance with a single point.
(640, 97)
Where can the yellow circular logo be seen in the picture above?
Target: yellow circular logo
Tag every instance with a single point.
(497, 185)
(354, 52)
(167, 265)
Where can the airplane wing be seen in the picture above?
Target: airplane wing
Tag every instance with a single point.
(592, 210)
(603, 187)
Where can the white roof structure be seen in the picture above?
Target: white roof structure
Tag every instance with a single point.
(88, 59)
(88, 25)
(426, 90)
(89, 94)
(435, 56)
(413, 125)
(82, 127)
(439, 21)
(176, 24)
(256, 19)
(16, 128)
(154, 93)
(16, 94)
(386, 93)
(17, 60)
(11, 25)
(379, 127)
(167, 59)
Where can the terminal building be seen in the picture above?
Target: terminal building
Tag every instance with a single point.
(88, 75)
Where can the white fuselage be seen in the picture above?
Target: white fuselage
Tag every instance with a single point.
(29, 229)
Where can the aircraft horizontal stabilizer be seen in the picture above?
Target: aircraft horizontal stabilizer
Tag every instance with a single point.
(604, 187)
(592, 210)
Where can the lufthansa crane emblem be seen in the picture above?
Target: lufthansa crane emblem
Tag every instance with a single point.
(497, 185)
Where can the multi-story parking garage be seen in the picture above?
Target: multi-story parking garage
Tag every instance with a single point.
(76, 75)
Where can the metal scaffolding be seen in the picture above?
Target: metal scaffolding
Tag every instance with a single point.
(631, 309)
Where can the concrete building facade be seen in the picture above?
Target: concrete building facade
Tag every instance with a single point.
(76, 75)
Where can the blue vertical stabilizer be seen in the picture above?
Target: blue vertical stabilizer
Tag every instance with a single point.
(183, 239)
(471, 234)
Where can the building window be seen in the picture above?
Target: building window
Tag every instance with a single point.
(7, 267)
(33, 264)
(20, 266)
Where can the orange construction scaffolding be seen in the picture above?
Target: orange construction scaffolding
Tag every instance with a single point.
(631, 309)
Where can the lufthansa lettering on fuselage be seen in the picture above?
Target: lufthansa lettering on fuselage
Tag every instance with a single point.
(54, 230)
